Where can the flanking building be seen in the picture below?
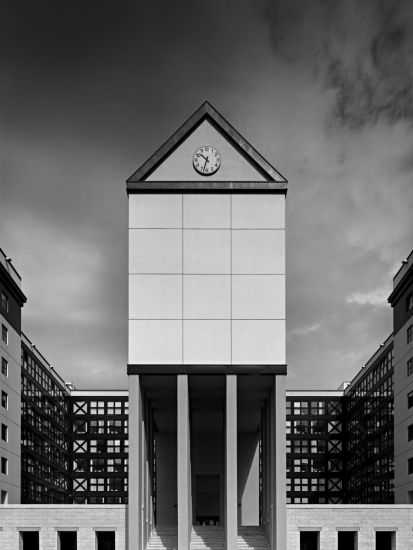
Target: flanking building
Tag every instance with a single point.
(206, 449)
(401, 300)
(12, 300)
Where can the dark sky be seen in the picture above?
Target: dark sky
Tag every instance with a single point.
(89, 89)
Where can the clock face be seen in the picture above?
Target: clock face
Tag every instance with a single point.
(206, 160)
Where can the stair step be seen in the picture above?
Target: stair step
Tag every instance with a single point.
(207, 537)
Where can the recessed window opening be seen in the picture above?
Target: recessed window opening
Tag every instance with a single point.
(67, 540)
(385, 540)
(4, 302)
(105, 540)
(29, 540)
(4, 334)
(347, 540)
(309, 540)
(4, 367)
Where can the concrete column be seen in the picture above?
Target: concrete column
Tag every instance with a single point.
(231, 497)
(135, 486)
(279, 501)
(184, 522)
(144, 485)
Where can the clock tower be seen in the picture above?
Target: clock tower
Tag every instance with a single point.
(206, 361)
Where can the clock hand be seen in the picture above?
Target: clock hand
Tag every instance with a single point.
(206, 160)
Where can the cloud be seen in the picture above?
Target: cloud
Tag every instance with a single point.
(377, 82)
(375, 297)
(304, 330)
(362, 50)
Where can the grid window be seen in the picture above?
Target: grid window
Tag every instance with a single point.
(4, 400)
(114, 407)
(410, 366)
(113, 446)
(4, 432)
(4, 465)
(410, 399)
(98, 465)
(97, 407)
(409, 334)
(97, 484)
(4, 367)
(4, 302)
(409, 301)
(410, 432)
(410, 466)
(97, 426)
(4, 334)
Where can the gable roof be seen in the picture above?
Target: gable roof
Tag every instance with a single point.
(274, 180)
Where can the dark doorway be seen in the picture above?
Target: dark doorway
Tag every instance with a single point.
(384, 540)
(67, 540)
(207, 500)
(105, 540)
(309, 540)
(347, 540)
(29, 540)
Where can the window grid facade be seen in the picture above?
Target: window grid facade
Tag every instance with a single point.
(100, 450)
(370, 451)
(46, 464)
(315, 450)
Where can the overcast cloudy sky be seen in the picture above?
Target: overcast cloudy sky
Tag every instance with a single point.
(89, 89)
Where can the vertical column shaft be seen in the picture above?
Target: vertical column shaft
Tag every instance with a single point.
(184, 524)
(135, 485)
(231, 500)
(144, 481)
(279, 500)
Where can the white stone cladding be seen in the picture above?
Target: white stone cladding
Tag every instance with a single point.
(49, 519)
(328, 519)
(365, 519)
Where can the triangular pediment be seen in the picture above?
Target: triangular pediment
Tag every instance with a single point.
(241, 165)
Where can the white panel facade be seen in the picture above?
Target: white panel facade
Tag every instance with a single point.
(258, 251)
(207, 342)
(155, 251)
(155, 211)
(207, 285)
(156, 341)
(155, 296)
(258, 297)
(207, 251)
(207, 296)
(207, 211)
(258, 211)
(258, 342)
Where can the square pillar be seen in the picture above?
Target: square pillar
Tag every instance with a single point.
(184, 471)
(278, 466)
(134, 484)
(231, 481)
